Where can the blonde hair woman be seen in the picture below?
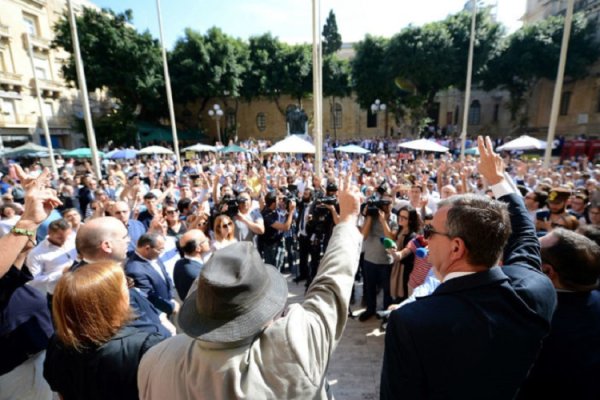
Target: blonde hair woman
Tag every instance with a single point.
(224, 230)
(96, 350)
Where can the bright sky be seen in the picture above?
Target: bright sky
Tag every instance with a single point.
(290, 20)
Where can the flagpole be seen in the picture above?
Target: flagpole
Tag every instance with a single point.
(559, 84)
(38, 94)
(168, 86)
(87, 115)
(317, 88)
(463, 134)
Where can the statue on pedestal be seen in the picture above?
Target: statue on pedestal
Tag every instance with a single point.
(297, 121)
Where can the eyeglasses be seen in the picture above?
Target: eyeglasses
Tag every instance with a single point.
(171, 212)
(556, 225)
(227, 225)
(429, 231)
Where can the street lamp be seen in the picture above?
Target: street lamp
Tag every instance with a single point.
(376, 108)
(216, 113)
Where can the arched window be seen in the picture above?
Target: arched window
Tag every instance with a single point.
(261, 121)
(336, 117)
(475, 113)
(230, 119)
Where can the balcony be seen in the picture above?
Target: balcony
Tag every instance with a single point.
(37, 43)
(48, 88)
(10, 81)
(4, 32)
(18, 121)
(59, 122)
(39, 3)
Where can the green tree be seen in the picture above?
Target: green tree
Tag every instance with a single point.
(532, 53)
(266, 69)
(336, 82)
(298, 72)
(332, 40)
(117, 58)
(369, 79)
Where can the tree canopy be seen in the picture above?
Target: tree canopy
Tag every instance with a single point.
(332, 40)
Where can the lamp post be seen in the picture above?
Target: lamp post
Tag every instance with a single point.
(216, 113)
(376, 108)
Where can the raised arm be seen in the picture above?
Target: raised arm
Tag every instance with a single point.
(523, 246)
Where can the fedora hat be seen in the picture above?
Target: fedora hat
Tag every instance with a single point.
(237, 295)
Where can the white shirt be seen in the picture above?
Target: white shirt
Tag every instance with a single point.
(7, 224)
(46, 262)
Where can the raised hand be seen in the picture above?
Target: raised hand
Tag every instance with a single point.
(490, 165)
(349, 200)
(39, 199)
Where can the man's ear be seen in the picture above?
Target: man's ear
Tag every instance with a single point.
(549, 271)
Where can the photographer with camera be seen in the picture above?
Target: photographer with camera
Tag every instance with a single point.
(323, 217)
(270, 243)
(379, 223)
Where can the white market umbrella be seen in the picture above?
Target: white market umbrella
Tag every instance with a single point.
(523, 143)
(200, 147)
(150, 150)
(292, 144)
(424, 145)
(352, 148)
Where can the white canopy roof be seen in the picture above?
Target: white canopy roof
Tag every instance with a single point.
(523, 143)
(200, 147)
(352, 148)
(155, 150)
(424, 145)
(292, 144)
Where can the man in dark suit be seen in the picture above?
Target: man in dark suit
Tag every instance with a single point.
(149, 273)
(569, 362)
(479, 332)
(196, 247)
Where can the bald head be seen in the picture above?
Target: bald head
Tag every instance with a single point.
(194, 243)
(102, 238)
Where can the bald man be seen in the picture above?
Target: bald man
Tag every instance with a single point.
(106, 238)
(196, 250)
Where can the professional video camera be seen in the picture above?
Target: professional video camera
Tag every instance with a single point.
(229, 206)
(375, 204)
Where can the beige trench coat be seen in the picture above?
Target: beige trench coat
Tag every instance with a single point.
(288, 360)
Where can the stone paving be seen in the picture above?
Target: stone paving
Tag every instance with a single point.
(355, 368)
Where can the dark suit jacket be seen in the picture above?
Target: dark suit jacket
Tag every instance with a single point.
(569, 362)
(184, 273)
(157, 288)
(476, 336)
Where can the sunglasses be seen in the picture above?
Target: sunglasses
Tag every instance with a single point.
(171, 212)
(226, 225)
(555, 225)
(429, 231)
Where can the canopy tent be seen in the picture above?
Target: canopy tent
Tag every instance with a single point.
(424, 145)
(474, 151)
(122, 154)
(150, 150)
(292, 144)
(26, 150)
(352, 148)
(523, 143)
(82, 152)
(200, 147)
(232, 148)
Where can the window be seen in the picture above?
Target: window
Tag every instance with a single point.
(2, 62)
(496, 112)
(9, 110)
(336, 117)
(456, 110)
(31, 24)
(48, 110)
(475, 113)
(565, 100)
(230, 119)
(41, 67)
(371, 119)
(598, 105)
(261, 121)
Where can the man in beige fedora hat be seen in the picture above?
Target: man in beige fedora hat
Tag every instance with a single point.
(241, 341)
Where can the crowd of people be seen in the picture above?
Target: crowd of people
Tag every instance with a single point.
(157, 282)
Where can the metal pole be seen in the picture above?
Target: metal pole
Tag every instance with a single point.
(168, 86)
(217, 118)
(559, 83)
(463, 134)
(41, 108)
(317, 88)
(87, 115)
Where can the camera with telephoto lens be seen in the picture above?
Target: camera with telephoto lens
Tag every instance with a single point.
(374, 205)
(229, 206)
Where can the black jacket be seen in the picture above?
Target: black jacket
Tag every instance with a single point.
(105, 372)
